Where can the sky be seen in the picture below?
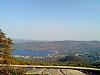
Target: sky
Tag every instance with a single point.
(51, 19)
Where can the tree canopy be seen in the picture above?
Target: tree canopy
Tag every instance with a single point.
(5, 47)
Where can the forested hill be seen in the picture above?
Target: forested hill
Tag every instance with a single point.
(60, 46)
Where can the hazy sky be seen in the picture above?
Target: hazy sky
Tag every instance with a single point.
(51, 19)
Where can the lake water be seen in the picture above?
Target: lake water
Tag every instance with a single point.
(29, 53)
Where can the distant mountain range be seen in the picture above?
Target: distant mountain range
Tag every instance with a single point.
(84, 50)
(23, 41)
(59, 46)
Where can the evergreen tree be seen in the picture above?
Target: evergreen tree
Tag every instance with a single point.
(5, 47)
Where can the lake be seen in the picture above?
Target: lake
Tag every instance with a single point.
(29, 53)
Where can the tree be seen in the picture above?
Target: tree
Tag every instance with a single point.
(5, 47)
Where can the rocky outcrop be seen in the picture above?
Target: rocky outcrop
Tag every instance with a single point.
(55, 72)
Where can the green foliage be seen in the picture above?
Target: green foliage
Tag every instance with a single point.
(97, 65)
(5, 47)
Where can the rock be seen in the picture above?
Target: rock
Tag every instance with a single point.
(72, 72)
(55, 72)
